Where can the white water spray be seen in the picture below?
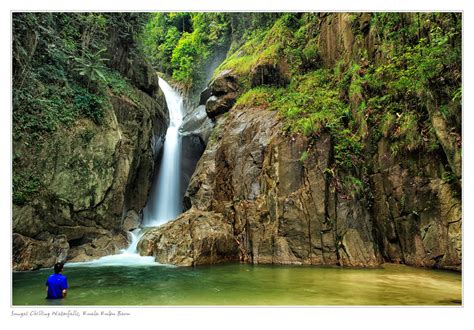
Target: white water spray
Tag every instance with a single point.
(164, 202)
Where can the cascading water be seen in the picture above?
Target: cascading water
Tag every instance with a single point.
(164, 202)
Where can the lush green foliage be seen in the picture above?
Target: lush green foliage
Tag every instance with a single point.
(423, 63)
(186, 46)
(181, 44)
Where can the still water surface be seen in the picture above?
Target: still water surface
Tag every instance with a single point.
(241, 284)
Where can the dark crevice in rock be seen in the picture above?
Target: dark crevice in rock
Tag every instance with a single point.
(248, 235)
(77, 242)
(308, 215)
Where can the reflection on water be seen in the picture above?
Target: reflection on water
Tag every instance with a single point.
(240, 284)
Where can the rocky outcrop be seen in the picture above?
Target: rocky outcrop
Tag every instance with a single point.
(284, 196)
(194, 238)
(196, 123)
(224, 93)
(123, 57)
(195, 132)
(95, 177)
(30, 253)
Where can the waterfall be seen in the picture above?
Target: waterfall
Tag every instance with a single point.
(164, 202)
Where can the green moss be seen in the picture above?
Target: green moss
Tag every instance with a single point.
(238, 63)
(89, 104)
(258, 96)
(348, 149)
(387, 124)
(355, 88)
(311, 104)
(87, 136)
(408, 132)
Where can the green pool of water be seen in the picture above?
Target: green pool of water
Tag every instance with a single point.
(241, 284)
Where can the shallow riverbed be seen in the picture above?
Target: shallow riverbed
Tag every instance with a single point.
(242, 284)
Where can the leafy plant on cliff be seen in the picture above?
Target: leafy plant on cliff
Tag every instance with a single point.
(91, 66)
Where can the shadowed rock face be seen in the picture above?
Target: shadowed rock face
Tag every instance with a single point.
(279, 209)
(270, 74)
(416, 213)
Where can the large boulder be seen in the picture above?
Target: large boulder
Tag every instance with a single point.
(225, 82)
(225, 90)
(194, 238)
(131, 221)
(29, 253)
(216, 106)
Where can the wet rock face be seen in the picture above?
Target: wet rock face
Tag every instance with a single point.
(204, 96)
(280, 208)
(195, 132)
(196, 123)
